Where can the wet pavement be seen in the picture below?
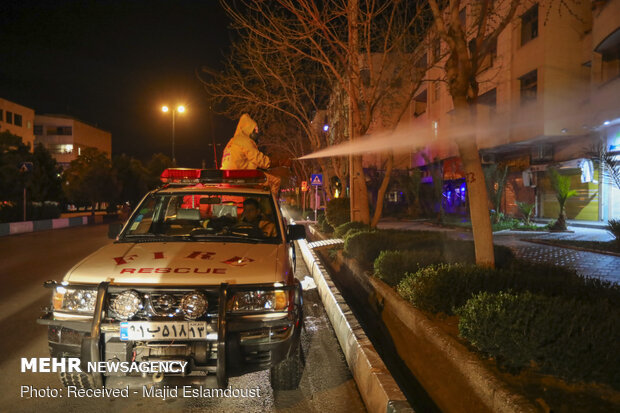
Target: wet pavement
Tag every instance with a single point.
(587, 263)
(29, 259)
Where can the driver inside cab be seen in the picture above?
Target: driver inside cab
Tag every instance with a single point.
(252, 215)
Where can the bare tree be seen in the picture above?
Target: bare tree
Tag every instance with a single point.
(283, 92)
(365, 50)
(466, 50)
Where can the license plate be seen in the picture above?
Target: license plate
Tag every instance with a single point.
(163, 330)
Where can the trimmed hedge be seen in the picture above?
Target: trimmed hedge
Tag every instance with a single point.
(570, 338)
(337, 212)
(366, 246)
(442, 288)
(343, 230)
(392, 266)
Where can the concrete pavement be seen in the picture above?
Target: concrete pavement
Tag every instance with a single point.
(587, 263)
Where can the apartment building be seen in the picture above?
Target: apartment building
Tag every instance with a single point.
(549, 93)
(18, 120)
(65, 137)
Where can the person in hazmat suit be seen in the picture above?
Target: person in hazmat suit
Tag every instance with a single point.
(241, 151)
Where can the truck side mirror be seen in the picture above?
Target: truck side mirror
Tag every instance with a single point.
(295, 232)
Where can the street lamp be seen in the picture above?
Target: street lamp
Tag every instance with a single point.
(178, 109)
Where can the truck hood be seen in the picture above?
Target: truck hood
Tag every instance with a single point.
(182, 263)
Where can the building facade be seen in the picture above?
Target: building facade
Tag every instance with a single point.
(65, 137)
(549, 94)
(17, 119)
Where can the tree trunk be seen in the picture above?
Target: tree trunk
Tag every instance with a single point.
(382, 189)
(476, 186)
(360, 210)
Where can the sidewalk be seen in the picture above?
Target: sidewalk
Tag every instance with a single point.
(590, 264)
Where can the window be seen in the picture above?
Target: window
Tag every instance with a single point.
(436, 49)
(59, 130)
(421, 62)
(38, 129)
(436, 91)
(9, 117)
(365, 77)
(463, 18)
(488, 98)
(419, 104)
(17, 120)
(529, 25)
(528, 87)
(609, 49)
(1, 115)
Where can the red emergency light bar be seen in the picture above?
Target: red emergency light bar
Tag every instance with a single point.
(179, 175)
(189, 175)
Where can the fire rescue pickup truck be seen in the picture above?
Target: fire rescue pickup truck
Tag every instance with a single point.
(189, 278)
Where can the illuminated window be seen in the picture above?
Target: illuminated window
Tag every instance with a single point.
(529, 25)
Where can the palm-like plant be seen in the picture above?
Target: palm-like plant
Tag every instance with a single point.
(496, 178)
(563, 191)
(526, 209)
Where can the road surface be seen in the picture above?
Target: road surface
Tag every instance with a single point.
(29, 259)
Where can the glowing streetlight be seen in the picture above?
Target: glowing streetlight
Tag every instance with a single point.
(179, 109)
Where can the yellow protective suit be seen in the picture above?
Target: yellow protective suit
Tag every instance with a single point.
(241, 151)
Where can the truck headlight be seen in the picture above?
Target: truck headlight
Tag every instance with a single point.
(194, 305)
(126, 304)
(79, 300)
(259, 301)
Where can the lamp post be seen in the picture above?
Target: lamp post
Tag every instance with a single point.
(179, 109)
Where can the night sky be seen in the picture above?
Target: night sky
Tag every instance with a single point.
(115, 63)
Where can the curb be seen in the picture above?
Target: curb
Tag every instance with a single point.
(375, 383)
(487, 392)
(13, 228)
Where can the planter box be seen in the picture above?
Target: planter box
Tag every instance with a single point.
(454, 377)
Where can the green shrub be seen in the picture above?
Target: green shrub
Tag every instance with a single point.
(322, 222)
(613, 226)
(442, 288)
(573, 339)
(392, 266)
(365, 246)
(342, 230)
(337, 212)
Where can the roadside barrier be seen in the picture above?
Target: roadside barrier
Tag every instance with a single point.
(12, 228)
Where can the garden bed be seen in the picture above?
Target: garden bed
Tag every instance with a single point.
(546, 392)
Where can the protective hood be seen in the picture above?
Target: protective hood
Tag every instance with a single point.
(245, 126)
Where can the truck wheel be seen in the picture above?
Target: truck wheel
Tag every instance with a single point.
(79, 380)
(286, 375)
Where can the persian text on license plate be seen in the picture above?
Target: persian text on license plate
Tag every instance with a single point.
(163, 330)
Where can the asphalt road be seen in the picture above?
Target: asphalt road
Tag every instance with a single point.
(29, 259)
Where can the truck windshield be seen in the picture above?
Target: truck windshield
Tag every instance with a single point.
(205, 216)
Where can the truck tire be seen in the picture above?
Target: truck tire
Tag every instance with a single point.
(79, 380)
(286, 375)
